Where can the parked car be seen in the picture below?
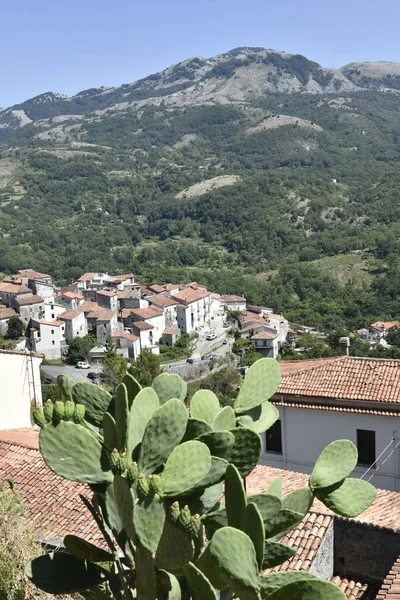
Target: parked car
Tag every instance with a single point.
(225, 325)
(190, 361)
(81, 364)
(211, 336)
(206, 357)
(92, 375)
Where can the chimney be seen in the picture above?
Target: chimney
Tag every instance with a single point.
(344, 343)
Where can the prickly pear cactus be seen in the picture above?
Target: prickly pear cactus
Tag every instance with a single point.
(157, 468)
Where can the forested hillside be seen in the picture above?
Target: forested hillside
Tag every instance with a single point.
(245, 171)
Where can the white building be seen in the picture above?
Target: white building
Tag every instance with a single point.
(47, 337)
(70, 300)
(5, 316)
(20, 384)
(152, 315)
(30, 307)
(145, 332)
(128, 342)
(193, 310)
(236, 303)
(75, 324)
(322, 400)
(169, 308)
(266, 342)
(10, 292)
(106, 324)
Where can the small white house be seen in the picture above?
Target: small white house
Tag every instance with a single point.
(169, 308)
(152, 315)
(75, 324)
(5, 316)
(47, 337)
(236, 303)
(129, 341)
(30, 307)
(193, 310)
(145, 332)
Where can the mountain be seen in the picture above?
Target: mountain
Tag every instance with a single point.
(227, 169)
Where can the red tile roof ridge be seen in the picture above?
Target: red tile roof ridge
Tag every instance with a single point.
(324, 361)
(348, 409)
(26, 437)
(390, 589)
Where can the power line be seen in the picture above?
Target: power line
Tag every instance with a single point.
(383, 462)
(375, 463)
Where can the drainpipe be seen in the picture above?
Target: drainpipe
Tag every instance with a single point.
(284, 433)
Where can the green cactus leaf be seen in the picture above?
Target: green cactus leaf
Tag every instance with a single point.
(146, 575)
(198, 583)
(235, 497)
(259, 418)
(334, 463)
(111, 509)
(121, 416)
(225, 419)
(83, 549)
(283, 522)
(253, 525)
(169, 385)
(215, 474)
(186, 466)
(203, 502)
(125, 502)
(65, 385)
(260, 383)
(214, 521)
(109, 432)
(133, 387)
(275, 554)
(38, 417)
(206, 565)
(175, 549)
(275, 487)
(219, 443)
(163, 433)
(143, 407)
(168, 586)
(275, 581)
(233, 552)
(61, 573)
(299, 500)
(246, 451)
(204, 405)
(195, 428)
(268, 505)
(309, 589)
(95, 400)
(148, 519)
(74, 453)
(348, 498)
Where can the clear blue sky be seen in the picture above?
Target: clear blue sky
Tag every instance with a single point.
(70, 45)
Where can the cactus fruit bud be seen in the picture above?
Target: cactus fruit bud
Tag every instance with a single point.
(142, 486)
(193, 526)
(184, 518)
(69, 409)
(48, 411)
(174, 511)
(196, 523)
(154, 484)
(118, 462)
(59, 411)
(38, 417)
(79, 413)
(131, 474)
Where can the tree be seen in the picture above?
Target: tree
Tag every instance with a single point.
(244, 348)
(146, 367)
(80, 348)
(393, 336)
(114, 366)
(15, 329)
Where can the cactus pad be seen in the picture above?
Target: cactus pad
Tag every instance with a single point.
(276, 554)
(218, 442)
(299, 500)
(253, 525)
(74, 453)
(146, 576)
(109, 432)
(246, 450)
(235, 497)
(274, 581)
(198, 583)
(215, 521)
(94, 398)
(111, 509)
(125, 502)
(313, 589)
(260, 383)
(204, 405)
(133, 387)
(225, 419)
(234, 554)
(163, 433)
(206, 565)
(142, 409)
(260, 418)
(349, 498)
(65, 385)
(169, 386)
(121, 416)
(195, 428)
(148, 519)
(215, 474)
(268, 505)
(275, 487)
(79, 547)
(175, 549)
(186, 466)
(168, 586)
(334, 463)
(283, 522)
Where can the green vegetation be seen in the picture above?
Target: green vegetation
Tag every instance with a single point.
(15, 328)
(114, 366)
(146, 367)
(182, 349)
(224, 383)
(80, 348)
(157, 470)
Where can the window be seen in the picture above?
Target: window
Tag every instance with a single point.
(366, 447)
(52, 316)
(273, 438)
(52, 332)
(53, 342)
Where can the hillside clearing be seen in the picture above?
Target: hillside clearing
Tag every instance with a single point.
(198, 189)
(276, 121)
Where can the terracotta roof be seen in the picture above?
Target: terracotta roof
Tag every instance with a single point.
(275, 317)
(108, 293)
(33, 299)
(52, 502)
(146, 313)
(351, 378)
(264, 335)
(55, 323)
(89, 306)
(189, 295)
(125, 334)
(390, 589)
(195, 286)
(123, 277)
(7, 313)
(293, 366)
(233, 299)
(142, 325)
(156, 288)
(338, 408)
(383, 512)
(163, 301)
(126, 313)
(12, 288)
(171, 331)
(32, 274)
(127, 294)
(87, 276)
(169, 287)
(68, 315)
(257, 325)
(385, 324)
(353, 590)
(73, 295)
(104, 315)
